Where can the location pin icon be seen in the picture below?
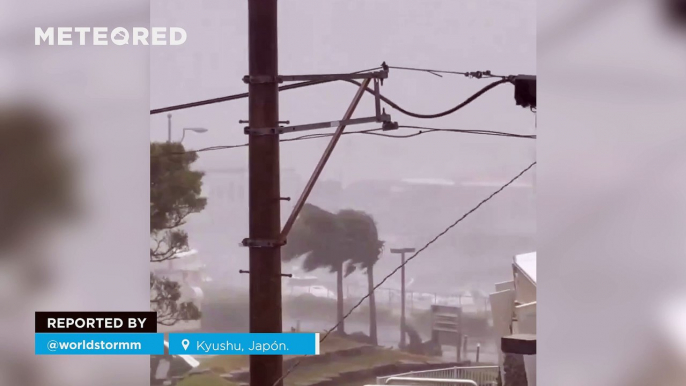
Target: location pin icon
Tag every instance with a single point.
(185, 344)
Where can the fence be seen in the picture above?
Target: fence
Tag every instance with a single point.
(391, 298)
(482, 375)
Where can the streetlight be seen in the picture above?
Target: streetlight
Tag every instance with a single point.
(402, 252)
(198, 130)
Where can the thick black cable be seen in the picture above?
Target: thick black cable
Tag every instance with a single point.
(437, 115)
(451, 226)
(312, 83)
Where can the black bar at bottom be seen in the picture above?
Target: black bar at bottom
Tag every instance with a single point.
(96, 322)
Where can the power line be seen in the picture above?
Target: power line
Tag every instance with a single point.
(422, 130)
(479, 132)
(313, 83)
(359, 303)
(470, 74)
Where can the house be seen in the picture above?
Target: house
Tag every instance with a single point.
(513, 307)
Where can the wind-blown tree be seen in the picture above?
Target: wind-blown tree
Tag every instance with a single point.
(365, 249)
(317, 235)
(341, 242)
(174, 195)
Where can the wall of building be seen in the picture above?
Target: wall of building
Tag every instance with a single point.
(526, 291)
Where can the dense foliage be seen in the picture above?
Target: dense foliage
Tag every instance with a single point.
(174, 195)
(340, 242)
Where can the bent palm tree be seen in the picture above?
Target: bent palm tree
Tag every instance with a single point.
(362, 234)
(341, 242)
(317, 235)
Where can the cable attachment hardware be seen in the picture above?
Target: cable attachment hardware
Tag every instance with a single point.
(388, 126)
(385, 69)
(282, 275)
(261, 79)
(257, 243)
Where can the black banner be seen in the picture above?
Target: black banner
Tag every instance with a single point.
(84, 322)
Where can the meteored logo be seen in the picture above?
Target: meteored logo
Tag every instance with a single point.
(101, 36)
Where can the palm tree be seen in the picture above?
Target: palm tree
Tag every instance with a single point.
(366, 248)
(341, 242)
(317, 235)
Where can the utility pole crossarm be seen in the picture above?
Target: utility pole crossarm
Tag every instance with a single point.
(380, 115)
(402, 250)
(322, 162)
(257, 79)
(315, 126)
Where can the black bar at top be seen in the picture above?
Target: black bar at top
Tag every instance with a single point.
(96, 322)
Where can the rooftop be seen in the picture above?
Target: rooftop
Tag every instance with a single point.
(527, 264)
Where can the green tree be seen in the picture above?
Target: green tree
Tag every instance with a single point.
(316, 235)
(174, 195)
(365, 249)
(340, 242)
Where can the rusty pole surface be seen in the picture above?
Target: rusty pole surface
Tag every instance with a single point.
(264, 189)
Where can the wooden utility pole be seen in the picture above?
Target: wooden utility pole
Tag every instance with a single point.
(402, 252)
(264, 189)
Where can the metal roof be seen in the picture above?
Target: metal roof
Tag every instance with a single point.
(527, 264)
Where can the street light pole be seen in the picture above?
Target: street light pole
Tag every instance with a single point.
(198, 130)
(169, 138)
(402, 252)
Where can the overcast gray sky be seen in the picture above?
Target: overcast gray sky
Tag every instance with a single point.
(344, 36)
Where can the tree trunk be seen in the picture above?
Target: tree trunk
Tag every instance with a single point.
(339, 305)
(372, 306)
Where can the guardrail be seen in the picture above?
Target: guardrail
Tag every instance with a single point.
(481, 375)
(433, 381)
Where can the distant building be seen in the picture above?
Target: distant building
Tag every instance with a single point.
(226, 190)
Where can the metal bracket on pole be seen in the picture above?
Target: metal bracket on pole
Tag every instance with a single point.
(283, 274)
(383, 118)
(322, 162)
(260, 79)
(379, 117)
(255, 243)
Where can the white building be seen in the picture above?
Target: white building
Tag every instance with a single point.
(513, 306)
